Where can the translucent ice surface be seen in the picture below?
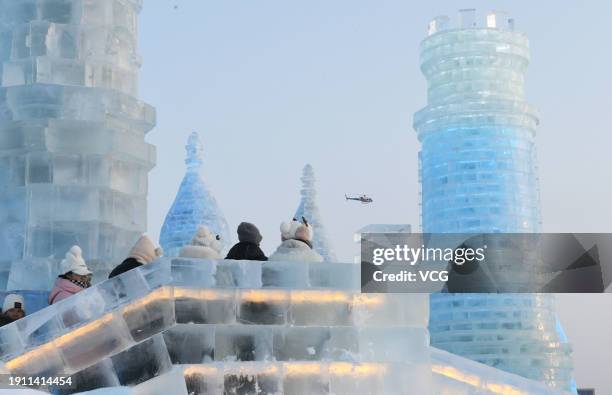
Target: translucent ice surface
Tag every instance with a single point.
(168, 383)
(478, 166)
(193, 206)
(142, 362)
(73, 157)
(308, 209)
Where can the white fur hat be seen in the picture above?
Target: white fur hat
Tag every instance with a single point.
(10, 300)
(288, 229)
(144, 251)
(74, 262)
(297, 230)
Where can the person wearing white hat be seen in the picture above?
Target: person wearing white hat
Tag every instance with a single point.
(13, 309)
(143, 252)
(74, 276)
(296, 243)
(204, 245)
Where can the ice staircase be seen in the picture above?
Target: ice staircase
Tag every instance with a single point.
(180, 326)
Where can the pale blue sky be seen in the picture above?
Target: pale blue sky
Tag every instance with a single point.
(272, 85)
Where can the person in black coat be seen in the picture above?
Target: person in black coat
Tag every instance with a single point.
(143, 252)
(248, 247)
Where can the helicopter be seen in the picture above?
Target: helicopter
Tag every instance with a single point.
(365, 199)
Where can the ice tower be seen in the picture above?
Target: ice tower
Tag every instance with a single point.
(73, 156)
(479, 175)
(194, 205)
(308, 209)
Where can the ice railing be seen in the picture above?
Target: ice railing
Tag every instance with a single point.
(468, 19)
(452, 373)
(116, 314)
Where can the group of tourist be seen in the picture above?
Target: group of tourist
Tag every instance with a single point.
(75, 276)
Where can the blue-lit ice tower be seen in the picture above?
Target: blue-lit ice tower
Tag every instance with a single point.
(478, 171)
(73, 157)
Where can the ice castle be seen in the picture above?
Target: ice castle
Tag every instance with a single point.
(73, 157)
(308, 209)
(180, 326)
(478, 170)
(194, 205)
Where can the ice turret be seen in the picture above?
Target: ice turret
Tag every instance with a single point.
(73, 156)
(194, 205)
(308, 209)
(479, 175)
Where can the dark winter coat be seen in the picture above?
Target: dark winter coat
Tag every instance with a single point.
(246, 251)
(127, 265)
(4, 320)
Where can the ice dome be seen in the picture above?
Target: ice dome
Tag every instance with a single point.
(194, 205)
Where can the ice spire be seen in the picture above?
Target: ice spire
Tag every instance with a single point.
(194, 205)
(308, 209)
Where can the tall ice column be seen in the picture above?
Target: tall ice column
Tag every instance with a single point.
(73, 157)
(478, 170)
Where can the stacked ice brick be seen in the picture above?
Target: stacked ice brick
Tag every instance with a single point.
(194, 205)
(479, 175)
(206, 327)
(73, 159)
(453, 375)
(309, 209)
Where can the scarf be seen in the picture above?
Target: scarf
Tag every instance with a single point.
(79, 283)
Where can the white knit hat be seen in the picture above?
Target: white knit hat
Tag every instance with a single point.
(144, 251)
(10, 300)
(74, 262)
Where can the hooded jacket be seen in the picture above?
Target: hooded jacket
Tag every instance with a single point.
(143, 252)
(63, 289)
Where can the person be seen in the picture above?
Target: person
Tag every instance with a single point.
(143, 252)
(75, 276)
(13, 309)
(247, 248)
(204, 245)
(296, 243)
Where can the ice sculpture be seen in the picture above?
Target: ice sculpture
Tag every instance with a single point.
(180, 326)
(73, 156)
(308, 209)
(479, 175)
(194, 205)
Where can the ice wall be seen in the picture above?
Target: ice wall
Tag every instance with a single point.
(308, 209)
(194, 205)
(182, 326)
(478, 170)
(73, 156)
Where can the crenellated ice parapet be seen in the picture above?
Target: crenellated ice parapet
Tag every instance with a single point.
(193, 206)
(308, 209)
(73, 157)
(478, 169)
